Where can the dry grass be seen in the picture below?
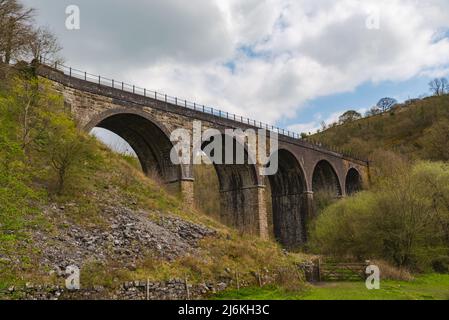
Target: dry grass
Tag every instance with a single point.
(390, 272)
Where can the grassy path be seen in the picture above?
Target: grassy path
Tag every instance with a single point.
(428, 287)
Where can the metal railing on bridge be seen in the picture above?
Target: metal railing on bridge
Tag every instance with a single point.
(120, 85)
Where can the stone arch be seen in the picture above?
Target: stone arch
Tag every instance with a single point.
(353, 182)
(149, 139)
(239, 192)
(325, 179)
(289, 205)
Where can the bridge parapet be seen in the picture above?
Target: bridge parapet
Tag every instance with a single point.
(141, 96)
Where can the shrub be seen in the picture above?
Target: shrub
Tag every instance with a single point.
(441, 264)
(403, 220)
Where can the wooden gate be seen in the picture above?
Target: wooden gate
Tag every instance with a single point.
(319, 271)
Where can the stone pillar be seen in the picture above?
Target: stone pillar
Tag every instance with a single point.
(245, 210)
(307, 209)
(261, 213)
(184, 190)
(187, 193)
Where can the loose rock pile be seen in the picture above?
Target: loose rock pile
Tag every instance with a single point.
(131, 235)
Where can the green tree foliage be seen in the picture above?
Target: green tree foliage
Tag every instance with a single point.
(17, 198)
(36, 126)
(404, 219)
(349, 116)
(65, 148)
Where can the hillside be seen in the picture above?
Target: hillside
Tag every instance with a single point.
(418, 130)
(65, 199)
(403, 217)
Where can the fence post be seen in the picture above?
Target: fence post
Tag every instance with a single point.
(237, 279)
(144, 92)
(85, 76)
(319, 270)
(70, 72)
(148, 289)
(187, 288)
(99, 79)
(112, 83)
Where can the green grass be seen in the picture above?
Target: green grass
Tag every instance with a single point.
(427, 287)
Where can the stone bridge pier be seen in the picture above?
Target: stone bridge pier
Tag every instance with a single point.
(146, 123)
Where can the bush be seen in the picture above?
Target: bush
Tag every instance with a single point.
(404, 220)
(441, 264)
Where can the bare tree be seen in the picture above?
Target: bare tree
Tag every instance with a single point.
(323, 125)
(44, 43)
(373, 111)
(15, 29)
(19, 39)
(386, 104)
(439, 86)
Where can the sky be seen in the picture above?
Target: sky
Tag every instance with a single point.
(291, 63)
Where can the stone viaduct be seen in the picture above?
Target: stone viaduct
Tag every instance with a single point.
(145, 120)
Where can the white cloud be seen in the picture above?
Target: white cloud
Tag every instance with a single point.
(313, 126)
(284, 52)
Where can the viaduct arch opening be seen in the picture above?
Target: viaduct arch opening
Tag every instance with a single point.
(353, 182)
(149, 142)
(287, 200)
(325, 180)
(238, 189)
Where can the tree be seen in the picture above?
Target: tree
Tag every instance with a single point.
(386, 104)
(65, 148)
(18, 37)
(373, 111)
(15, 29)
(349, 116)
(403, 219)
(44, 44)
(323, 125)
(439, 86)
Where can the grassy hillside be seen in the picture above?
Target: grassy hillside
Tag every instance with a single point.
(419, 130)
(66, 199)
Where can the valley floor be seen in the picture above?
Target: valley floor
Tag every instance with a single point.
(426, 287)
